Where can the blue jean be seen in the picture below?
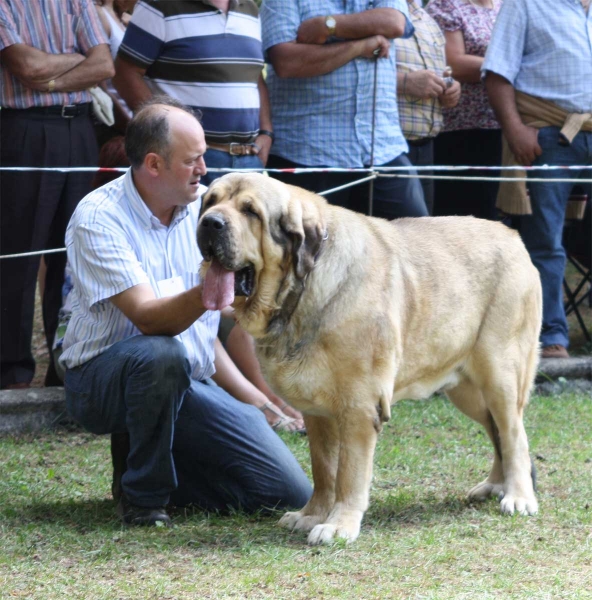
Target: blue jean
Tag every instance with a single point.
(542, 231)
(222, 160)
(190, 441)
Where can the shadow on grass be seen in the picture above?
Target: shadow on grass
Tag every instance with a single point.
(191, 527)
(406, 510)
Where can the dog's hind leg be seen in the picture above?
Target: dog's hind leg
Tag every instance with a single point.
(518, 489)
(467, 397)
(323, 437)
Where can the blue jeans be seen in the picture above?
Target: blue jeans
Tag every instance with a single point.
(223, 160)
(190, 441)
(542, 231)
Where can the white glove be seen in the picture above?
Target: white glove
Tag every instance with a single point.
(102, 106)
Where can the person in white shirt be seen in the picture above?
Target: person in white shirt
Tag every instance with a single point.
(140, 347)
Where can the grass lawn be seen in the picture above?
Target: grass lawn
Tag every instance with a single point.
(420, 538)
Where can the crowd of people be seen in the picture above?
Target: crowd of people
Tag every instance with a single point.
(390, 83)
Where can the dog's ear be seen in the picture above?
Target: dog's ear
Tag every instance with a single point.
(306, 235)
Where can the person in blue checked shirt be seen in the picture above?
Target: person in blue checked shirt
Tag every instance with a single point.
(538, 70)
(326, 61)
(140, 347)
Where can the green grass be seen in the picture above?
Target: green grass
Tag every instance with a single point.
(420, 538)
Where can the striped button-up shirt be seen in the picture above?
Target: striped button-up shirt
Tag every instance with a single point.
(204, 58)
(424, 50)
(327, 120)
(545, 49)
(114, 242)
(54, 26)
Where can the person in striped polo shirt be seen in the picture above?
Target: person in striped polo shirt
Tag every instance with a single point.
(208, 55)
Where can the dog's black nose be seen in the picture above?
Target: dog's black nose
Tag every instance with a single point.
(213, 221)
(210, 230)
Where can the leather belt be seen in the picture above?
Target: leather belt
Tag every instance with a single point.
(237, 149)
(68, 111)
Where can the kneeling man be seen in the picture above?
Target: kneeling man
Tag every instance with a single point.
(140, 347)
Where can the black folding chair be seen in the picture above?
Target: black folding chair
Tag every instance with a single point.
(577, 241)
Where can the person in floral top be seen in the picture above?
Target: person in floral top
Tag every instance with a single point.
(471, 134)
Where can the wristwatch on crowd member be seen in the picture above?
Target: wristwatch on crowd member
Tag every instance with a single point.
(331, 24)
(268, 133)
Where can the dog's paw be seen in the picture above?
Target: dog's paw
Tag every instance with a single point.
(299, 522)
(326, 533)
(524, 506)
(485, 490)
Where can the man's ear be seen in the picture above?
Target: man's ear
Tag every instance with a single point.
(305, 231)
(153, 163)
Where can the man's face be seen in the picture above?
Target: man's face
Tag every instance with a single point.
(186, 164)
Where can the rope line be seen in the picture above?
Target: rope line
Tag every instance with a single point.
(301, 170)
(373, 174)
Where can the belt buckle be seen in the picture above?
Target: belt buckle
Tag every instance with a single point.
(239, 149)
(64, 108)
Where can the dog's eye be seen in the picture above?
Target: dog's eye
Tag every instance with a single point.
(248, 210)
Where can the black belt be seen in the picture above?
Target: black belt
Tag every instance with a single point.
(418, 143)
(68, 111)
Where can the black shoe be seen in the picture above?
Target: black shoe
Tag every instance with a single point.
(142, 515)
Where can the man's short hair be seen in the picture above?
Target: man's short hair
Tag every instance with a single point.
(149, 130)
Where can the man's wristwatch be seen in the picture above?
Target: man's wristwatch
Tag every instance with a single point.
(268, 133)
(331, 24)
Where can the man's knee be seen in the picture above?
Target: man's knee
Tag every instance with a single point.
(165, 356)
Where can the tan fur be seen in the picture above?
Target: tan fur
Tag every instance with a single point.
(387, 311)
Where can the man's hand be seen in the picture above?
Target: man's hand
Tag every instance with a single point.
(424, 84)
(313, 31)
(264, 142)
(370, 45)
(451, 96)
(523, 142)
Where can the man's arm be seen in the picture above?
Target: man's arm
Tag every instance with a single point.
(293, 59)
(388, 22)
(523, 140)
(96, 66)
(33, 67)
(264, 141)
(129, 82)
(160, 316)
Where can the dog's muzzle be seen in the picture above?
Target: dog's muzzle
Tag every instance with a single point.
(212, 236)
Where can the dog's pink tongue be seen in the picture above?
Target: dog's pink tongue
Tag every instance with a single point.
(218, 290)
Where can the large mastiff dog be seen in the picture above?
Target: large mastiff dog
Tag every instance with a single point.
(352, 313)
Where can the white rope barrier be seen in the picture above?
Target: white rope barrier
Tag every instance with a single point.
(457, 178)
(302, 170)
(374, 173)
(348, 185)
(35, 253)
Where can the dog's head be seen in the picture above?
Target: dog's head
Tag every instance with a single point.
(259, 238)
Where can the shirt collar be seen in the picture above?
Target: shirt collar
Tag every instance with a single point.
(140, 209)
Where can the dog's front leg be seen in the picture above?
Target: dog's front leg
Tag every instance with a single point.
(358, 432)
(323, 439)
